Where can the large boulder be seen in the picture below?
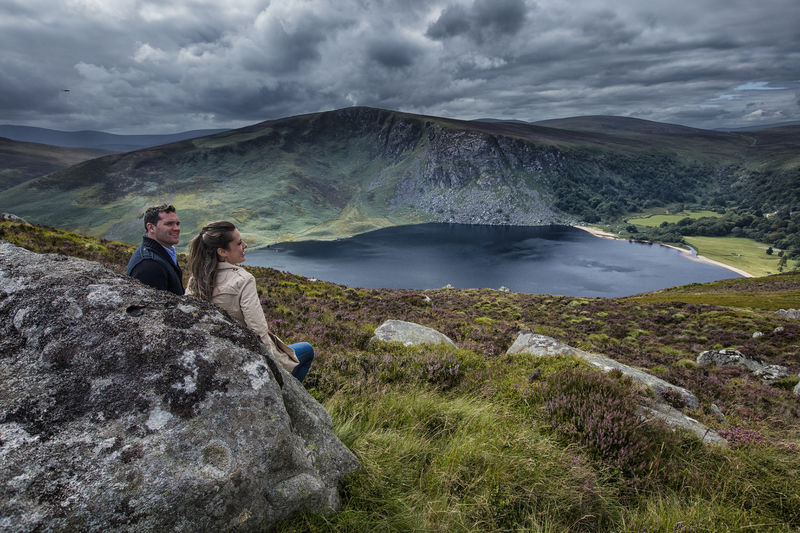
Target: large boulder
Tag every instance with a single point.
(126, 408)
(410, 334)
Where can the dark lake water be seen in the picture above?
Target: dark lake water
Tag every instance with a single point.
(557, 260)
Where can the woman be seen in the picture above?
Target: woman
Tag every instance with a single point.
(213, 256)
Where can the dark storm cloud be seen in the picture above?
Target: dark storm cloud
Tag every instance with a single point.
(147, 66)
(392, 54)
(482, 20)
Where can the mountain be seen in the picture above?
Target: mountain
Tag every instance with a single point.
(338, 173)
(96, 139)
(23, 161)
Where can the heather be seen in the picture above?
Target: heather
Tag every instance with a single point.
(470, 438)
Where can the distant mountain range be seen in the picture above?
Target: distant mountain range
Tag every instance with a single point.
(23, 161)
(338, 173)
(97, 140)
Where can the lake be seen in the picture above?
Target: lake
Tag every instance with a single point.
(559, 260)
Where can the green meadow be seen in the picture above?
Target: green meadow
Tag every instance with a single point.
(745, 254)
(657, 219)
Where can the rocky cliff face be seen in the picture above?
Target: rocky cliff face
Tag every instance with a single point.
(453, 174)
(124, 408)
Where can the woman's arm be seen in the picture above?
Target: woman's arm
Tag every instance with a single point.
(251, 309)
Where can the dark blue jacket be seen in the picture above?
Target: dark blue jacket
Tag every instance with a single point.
(152, 265)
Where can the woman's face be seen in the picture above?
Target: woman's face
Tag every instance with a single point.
(234, 253)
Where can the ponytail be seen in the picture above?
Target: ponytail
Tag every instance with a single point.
(203, 257)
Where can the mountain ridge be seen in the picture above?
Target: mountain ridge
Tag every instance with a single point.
(96, 139)
(336, 173)
(23, 161)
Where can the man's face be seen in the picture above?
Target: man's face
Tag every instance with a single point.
(167, 230)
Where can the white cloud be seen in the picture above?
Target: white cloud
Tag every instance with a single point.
(147, 53)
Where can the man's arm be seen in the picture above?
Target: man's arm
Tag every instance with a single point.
(151, 273)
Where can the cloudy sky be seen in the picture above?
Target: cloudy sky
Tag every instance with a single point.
(146, 66)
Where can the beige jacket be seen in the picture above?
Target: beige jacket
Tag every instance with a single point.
(235, 291)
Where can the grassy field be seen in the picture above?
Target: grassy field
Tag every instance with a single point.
(473, 439)
(745, 254)
(656, 219)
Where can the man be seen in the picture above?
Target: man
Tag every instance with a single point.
(155, 263)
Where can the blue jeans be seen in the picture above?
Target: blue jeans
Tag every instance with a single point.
(305, 353)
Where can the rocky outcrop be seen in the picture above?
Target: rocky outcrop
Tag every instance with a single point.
(789, 313)
(471, 177)
(542, 346)
(735, 358)
(123, 408)
(409, 334)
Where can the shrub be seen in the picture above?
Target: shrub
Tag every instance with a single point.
(600, 412)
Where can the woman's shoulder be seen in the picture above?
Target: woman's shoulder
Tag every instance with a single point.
(232, 276)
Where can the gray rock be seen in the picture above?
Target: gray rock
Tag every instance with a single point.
(541, 345)
(796, 389)
(13, 218)
(718, 414)
(758, 334)
(673, 418)
(736, 358)
(409, 334)
(789, 313)
(126, 408)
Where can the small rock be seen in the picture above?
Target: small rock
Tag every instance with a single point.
(789, 313)
(13, 218)
(736, 358)
(779, 329)
(718, 413)
(758, 334)
(772, 373)
(409, 333)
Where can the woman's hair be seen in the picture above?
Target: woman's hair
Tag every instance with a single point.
(203, 256)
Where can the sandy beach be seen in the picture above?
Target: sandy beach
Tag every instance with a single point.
(688, 254)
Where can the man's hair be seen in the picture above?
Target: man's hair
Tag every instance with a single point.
(152, 214)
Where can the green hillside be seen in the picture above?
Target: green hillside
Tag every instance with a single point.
(473, 439)
(23, 161)
(338, 173)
